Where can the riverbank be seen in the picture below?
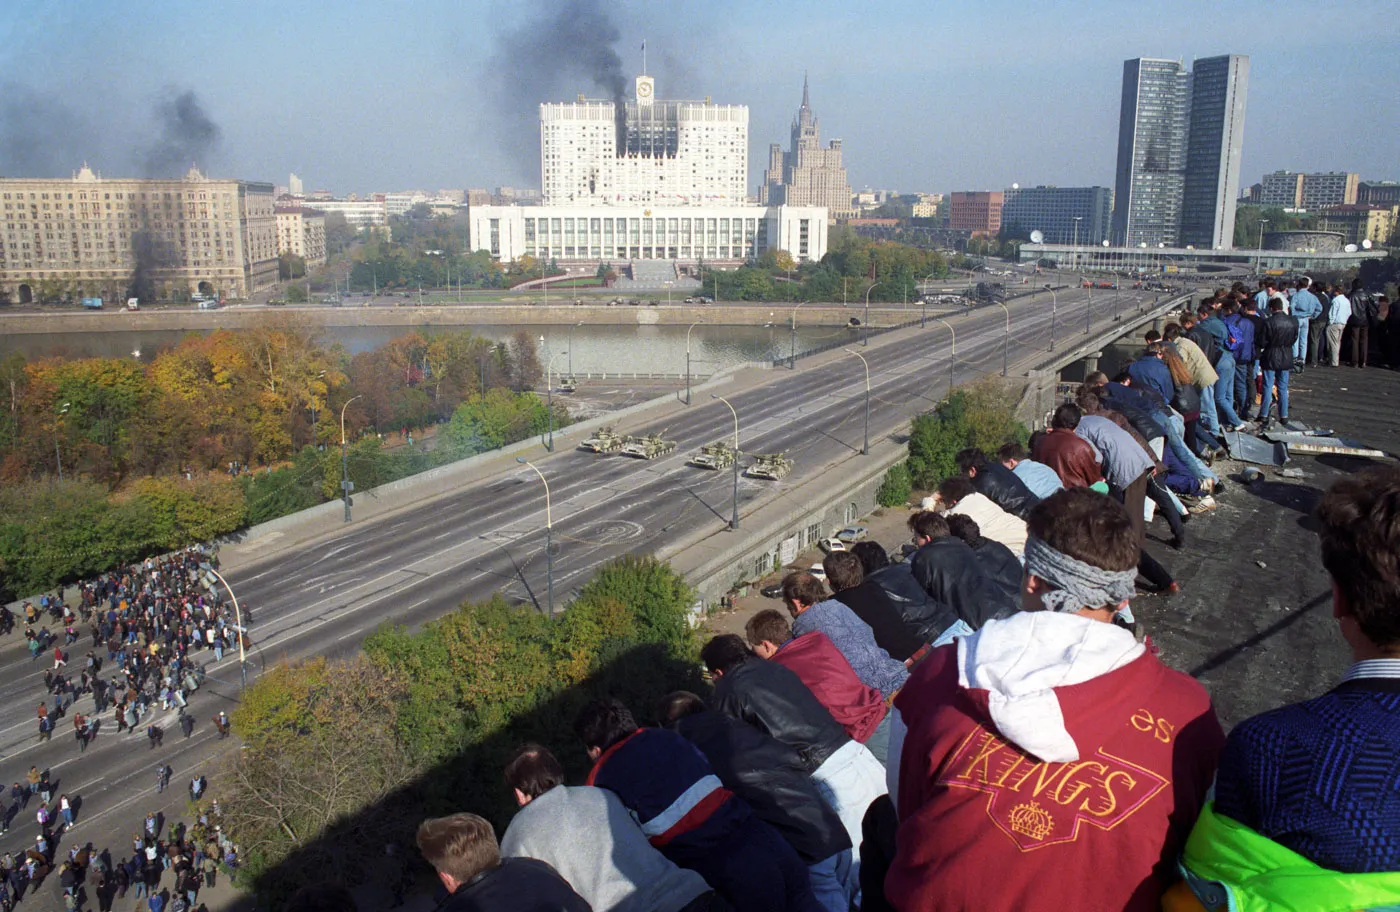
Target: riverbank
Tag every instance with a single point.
(385, 313)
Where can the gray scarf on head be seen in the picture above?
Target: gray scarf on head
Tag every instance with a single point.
(1077, 584)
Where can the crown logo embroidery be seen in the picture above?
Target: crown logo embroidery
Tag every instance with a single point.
(1030, 819)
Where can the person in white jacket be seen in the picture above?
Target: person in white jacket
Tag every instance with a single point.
(958, 498)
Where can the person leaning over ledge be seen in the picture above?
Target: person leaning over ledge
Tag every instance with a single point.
(1307, 808)
(462, 849)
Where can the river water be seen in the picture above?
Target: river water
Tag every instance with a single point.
(596, 348)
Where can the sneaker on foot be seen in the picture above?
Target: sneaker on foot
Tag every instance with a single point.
(1204, 505)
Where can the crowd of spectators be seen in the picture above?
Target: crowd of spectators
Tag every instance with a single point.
(978, 721)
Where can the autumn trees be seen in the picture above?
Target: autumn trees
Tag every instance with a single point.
(160, 440)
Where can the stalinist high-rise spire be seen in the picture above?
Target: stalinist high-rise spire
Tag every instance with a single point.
(807, 174)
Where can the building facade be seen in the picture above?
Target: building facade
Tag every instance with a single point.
(1063, 215)
(358, 213)
(807, 174)
(302, 233)
(1180, 139)
(1382, 193)
(978, 211)
(1214, 147)
(619, 234)
(674, 191)
(1362, 222)
(1310, 192)
(85, 236)
(644, 151)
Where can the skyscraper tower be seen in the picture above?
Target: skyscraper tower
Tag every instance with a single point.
(1214, 146)
(807, 174)
(1180, 136)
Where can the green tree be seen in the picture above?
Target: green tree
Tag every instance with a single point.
(296, 294)
(896, 487)
(982, 415)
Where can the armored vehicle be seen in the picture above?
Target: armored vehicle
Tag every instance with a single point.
(769, 466)
(648, 447)
(569, 384)
(718, 455)
(603, 441)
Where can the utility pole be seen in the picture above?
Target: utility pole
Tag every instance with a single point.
(548, 536)
(865, 450)
(346, 485)
(734, 518)
(865, 326)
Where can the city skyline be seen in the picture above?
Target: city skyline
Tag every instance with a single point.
(380, 97)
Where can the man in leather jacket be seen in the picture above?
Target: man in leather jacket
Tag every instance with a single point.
(776, 783)
(948, 570)
(775, 701)
(1280, 334)
(996, 482)
(921, 612)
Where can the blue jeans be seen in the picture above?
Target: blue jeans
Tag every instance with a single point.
(1209, 421)
(1270, 378)
(1225, 389)
(1244, 387)
(1300, 348)
(832, 881)
(879, 741)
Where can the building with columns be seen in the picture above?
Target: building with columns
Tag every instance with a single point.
(807, 174)
(67, 238)
(645, 179)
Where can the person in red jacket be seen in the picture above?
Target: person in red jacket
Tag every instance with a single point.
(859, 709)
(1051, 762)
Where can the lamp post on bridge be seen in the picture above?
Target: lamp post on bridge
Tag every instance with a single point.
(687, 359)
(548, 535)
(345, 484)
(792, 357)
(1054, 312)
(1006, 339)
(865, 326)
(865, 450)
(549, 397)
(734, 518)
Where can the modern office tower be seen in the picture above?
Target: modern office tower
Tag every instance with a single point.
(1180, 135)
(1053, 211)
(1215, 142)
(978, 211)
(807, 174)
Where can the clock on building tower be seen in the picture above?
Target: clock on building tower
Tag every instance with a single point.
(646, 89)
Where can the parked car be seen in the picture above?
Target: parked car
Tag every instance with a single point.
(829, 545)
(852, 534)
(818, 571)
(773, 591)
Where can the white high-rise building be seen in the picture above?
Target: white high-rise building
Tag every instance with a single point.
(594, 153)
(294, 187)
(646, 180)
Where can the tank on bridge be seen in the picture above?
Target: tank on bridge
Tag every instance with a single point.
(718, 455)
(602, 441)
(648, 447)
(769, 466)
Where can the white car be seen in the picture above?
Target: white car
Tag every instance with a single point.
(852, 534)
(818, 571)
(829, 545)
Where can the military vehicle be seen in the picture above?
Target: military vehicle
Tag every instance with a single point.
(769, 466)
(602, 441)
(569, 384)
(648, 447)
(718, 455)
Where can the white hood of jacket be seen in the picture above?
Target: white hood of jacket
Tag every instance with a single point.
(1020, 660)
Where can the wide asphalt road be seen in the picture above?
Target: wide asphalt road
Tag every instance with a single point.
(322, 599)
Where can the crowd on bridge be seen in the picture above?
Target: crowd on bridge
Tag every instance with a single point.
(152, 626)
(979, 721)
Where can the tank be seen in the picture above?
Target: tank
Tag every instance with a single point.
(769, 466)
(648, 447)
(719, 455)
(602, 441)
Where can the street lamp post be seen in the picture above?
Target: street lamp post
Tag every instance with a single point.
(1054, 313)
(549, 397)
(923, 303)
(238, 621)
(1076, 240)
(345, 485)
(1006, 339)
(1089, 309)
(1259, 255)
(792, 357)
(865, 326)
(548, 537)
(687, 359)
(57, 455)
(734, 517)
(571, 347)
(952, 354)
(865, 451)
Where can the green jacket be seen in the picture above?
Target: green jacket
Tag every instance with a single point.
(1229, 866)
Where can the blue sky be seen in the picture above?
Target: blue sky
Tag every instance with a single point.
(930, 96)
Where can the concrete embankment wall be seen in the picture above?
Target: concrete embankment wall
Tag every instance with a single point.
(447, 315)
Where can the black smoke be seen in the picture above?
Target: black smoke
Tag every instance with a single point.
(187, 135)
(561, 49)
(40, 136)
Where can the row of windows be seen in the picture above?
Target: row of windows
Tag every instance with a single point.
(643, 253)
(82, 195)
